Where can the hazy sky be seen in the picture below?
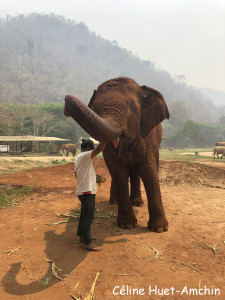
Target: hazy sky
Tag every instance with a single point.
(180, 36)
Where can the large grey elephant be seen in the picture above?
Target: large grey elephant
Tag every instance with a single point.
(69, 148)
(128, 117)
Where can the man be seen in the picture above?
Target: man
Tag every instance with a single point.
(86, 190)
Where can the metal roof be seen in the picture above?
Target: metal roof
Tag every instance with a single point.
(30, 138)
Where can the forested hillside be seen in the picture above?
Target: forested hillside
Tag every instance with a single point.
(45, 57)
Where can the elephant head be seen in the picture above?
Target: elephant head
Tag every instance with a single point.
(118, 108)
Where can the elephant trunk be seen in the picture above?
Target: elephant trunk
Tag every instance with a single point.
(99, 128)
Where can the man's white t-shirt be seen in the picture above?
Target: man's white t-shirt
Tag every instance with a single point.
(86, 176)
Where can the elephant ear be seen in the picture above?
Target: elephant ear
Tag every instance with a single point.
(92, 99)
(154, 109)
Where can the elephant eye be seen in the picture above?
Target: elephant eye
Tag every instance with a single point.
(132, 106)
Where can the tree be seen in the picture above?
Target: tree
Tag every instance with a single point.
(41, 121)
(181, 79)
(30, 46)
(222, 119)
(179, 113)
(189, 136)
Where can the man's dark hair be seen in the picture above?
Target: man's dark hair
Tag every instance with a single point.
(85, 143)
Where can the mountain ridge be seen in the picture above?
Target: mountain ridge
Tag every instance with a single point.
(45, 57)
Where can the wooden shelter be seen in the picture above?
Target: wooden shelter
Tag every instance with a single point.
(30, 144)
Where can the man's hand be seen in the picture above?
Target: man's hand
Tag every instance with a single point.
(101, 146)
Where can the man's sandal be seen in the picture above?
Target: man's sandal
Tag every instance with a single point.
(93, 248)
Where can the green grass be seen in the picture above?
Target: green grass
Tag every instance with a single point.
(10, 197)
(184, 155)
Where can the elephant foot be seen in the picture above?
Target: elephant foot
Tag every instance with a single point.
(158, 225)
(127, 222)
(159, 229)
(137, 201)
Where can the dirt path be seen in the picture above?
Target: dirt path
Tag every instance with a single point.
(184, 260)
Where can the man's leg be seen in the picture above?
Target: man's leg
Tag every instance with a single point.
(88, 206)
(79, 230)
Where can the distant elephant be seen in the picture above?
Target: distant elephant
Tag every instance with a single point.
(127, 116)
(69, 148)
(220, 144)
(219, 150)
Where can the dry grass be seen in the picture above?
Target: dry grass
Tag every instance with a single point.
(10, 164)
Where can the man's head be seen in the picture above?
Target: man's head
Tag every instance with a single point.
(87, 145)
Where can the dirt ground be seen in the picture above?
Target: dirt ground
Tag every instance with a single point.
(187, 262)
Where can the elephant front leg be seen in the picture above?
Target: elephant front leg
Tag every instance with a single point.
(149, 174)
(126, 218)
(120, 189)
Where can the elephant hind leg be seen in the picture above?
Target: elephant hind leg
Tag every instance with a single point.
(135, 189)
(138, 202)
(135, 192)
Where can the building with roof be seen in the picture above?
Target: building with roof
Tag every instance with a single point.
(30, 144)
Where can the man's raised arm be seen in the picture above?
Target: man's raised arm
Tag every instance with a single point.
(101, 146)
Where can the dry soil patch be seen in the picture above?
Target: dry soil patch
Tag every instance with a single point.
(190, 254)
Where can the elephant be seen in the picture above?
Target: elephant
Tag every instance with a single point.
(128, 117)
(219, 150)
(220, 144)
(69, 148)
